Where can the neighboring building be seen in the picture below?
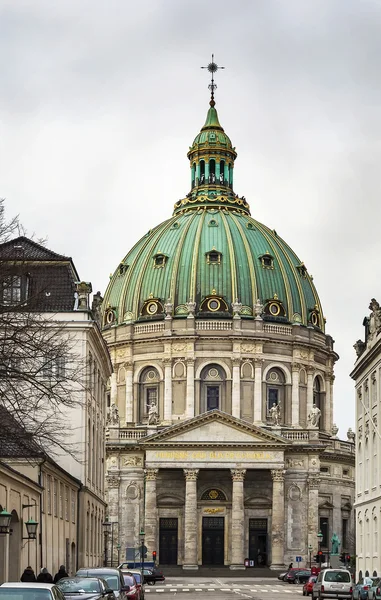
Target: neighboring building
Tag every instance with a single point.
(367, 375)
(73, 497)
(221, 443)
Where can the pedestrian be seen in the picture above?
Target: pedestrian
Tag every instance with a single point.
(290, 566)
(44, 576)
(61, 573)
(28, 575)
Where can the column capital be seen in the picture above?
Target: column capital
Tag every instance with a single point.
(310, 370)
(313, 482)
(151, 474)
(191, 474)
(295, 367)
(238, 474)
(112, 481)
(236, 362)
(190, 362)
(258, 362)
(167, 361)
(277, 475)
(128, 365)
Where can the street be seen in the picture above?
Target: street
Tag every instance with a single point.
(243, 587)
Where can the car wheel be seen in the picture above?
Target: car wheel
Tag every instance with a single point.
(304, 593)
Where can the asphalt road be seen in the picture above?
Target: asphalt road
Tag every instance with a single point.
(223, 587)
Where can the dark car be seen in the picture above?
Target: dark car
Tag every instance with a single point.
(85, 587)
(301, 576)
(283, 575)
(113, 578)
(151, 576)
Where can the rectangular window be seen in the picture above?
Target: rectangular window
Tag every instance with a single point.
(43, 498)
(61, 500)
(151, 396)
(324, 528)
(55, 498)
(12, 290)
(49, 494)
(212, 397)
(344, 526)
(66, 503)
(73, 506)
(272, 397)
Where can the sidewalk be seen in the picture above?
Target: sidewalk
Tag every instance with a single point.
(254, 572)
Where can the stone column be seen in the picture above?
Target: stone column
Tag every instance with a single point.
(313, 511)
(236, 391)
(327, 404)
(238, 520)
(167, 390)
(258, 391)
(129, 393)
(113, 389)
(295, 395)
(190, 520)
(150, 513)
(190, 388)
(277, 528)
(113, 484)
(310, 390)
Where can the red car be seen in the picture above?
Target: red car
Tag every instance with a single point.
(307, 588)
(134, 593)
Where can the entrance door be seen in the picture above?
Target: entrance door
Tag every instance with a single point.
(213, 540)
(258, 550)
(168, 537)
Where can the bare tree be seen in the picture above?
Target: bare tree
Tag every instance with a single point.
(42, 378)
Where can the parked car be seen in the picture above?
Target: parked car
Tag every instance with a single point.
(139, 580)
(86, 588)
(113, 578)
(298, 576)
(148, 564)
(307, 588)
(30, 591)
(361, 589)
(129, 579)
(374, 591)
(333, 583)
(151, 576)
(283, 575)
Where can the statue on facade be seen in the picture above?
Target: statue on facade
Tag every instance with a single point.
(237, 307)
(314, 416)
(275, 413)
(359, 347)
(258, 309)
(335, 544)
(191, 307)
(374, 319)
(113, 416)
(153, 415)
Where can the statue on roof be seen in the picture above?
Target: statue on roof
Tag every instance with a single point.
(275, 413)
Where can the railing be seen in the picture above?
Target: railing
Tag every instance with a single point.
(296, 436)
(149, 328)
(132, 434)
(282, 329)
(214, 325)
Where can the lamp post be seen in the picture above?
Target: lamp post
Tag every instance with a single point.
(142, 552)
(118, 548)
(320, 539)
(310, 552)
(5, 522)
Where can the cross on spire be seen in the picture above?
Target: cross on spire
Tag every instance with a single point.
(212, 68)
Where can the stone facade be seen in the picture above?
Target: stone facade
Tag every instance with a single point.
(269, 485)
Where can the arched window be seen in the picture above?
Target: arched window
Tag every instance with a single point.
(360, 480)
(202, 172)
(212, 388)
(222, 172)
(212, 171)
(375, 535)
(318, 399)
(148, 392)
(374, 466)
(214, 495)
(275, 392)
(193, 174)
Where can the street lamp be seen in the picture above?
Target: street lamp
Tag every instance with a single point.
(31, 525)
(5, 522)
(142, 552)
(310, 551)
(108, 527)
(320, 539)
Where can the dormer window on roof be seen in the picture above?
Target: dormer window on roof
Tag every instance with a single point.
(214, 303)
(213, 257)
(152, 307)
(274, 307)
(159, 260)
(267, 260)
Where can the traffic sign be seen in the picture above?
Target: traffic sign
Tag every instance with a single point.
(298, 559)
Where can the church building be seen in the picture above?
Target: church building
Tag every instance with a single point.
(221, 444)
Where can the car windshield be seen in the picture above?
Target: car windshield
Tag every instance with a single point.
(337, 576)
(85, 585)
(138, 577)
(128, 580)
(24, 594)
(111, 579)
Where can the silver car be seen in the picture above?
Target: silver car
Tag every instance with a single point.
(333, 583)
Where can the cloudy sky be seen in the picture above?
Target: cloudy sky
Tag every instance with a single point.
(100, 101)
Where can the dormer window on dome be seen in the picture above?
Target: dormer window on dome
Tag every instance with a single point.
(110, 317)
(314, 317)
(274, 307)
(159, 260)
(267, 260)
(152, 307)
(214, 303)
(213, 257)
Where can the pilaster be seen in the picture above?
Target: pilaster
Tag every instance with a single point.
(236, 391)
(258, 362)
(313, 511)
(295, 395)
(167, 390)
(150, 516)
(129, 392)
(278, 524)
(238, 519)
(190, 388)
(190, 519)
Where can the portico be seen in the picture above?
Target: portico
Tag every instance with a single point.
(213, 509)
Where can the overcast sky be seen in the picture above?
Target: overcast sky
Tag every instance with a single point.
(100, 100)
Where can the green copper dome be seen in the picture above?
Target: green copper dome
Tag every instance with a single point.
(212, 259)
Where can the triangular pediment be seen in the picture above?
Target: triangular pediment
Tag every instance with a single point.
(215, 427)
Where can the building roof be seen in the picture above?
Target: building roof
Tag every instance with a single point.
(213, 247)
(15, 442)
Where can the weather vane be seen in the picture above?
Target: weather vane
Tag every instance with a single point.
(212, 68)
